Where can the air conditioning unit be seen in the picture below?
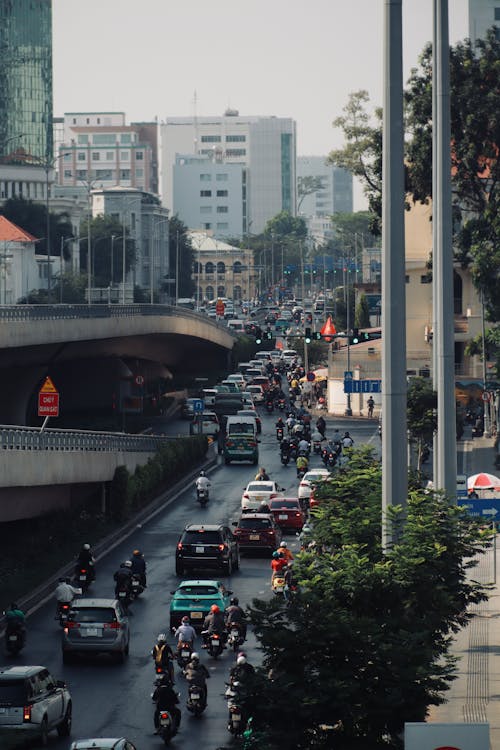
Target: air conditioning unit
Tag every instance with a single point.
(428, 334)
(371, 350)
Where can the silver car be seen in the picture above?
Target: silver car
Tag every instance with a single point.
(96, 626)
(103, 743)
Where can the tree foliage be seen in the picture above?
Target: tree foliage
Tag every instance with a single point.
(362, 314)
(181, 255)
(363, 646)
(32, 217)
(308, 185)
(106, 252)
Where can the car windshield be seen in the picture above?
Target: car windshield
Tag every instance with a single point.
(287, 504)
(12, 693)
(197, 590)
(200, 536)
(314, 477)
(240, 427)
(260, 487)
(93, 614)
(255, 523)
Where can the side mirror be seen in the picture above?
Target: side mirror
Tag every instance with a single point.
(229, 593)
(234, 523)
(172, 592)
(60, 684)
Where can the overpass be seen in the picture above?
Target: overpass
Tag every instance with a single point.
(94, 352)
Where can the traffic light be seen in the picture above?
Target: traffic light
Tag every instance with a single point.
(307, 335)
(258, 335)
(354, 339)
(269, 335)
(317, 336)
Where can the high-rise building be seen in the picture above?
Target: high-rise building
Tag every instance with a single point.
(25, 80)
(334, 195)
(483, 14)
(265, 149)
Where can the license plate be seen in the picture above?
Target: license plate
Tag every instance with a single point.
(90, 632)
(83, 578)
(254, 537)
(236, 717)
(259, 498)
(235, 633)
(196, 615)
(282, 517)
(199, 550)
(215, 642)
(12, 637)
(195, 696)
(165, 722)
(122, 594)
(185, 654)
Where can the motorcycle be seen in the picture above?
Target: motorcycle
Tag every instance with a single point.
(331, 460)
(301, 472)
(123, 593)
(62, 613)
(195, 702)
(278, 583)
(14, 638)
(235, 638)
(215, 645)
(285, 457)
(167, 727)
(202, 496)
(184, 654)
(235, 723)
(279, 434)
(317, 447)
(281, 404)
(136, 586)
(83, 579)
(269, 407)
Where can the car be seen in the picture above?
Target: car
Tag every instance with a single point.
(305, 486)
(206, 423)
(251, 413)
(207, 546)
(288, 513)
(32, 704)
(96, 626)
(238, 378)
(260, 491)
(257, 393)
(103, 743)
(290, 356)
(187, 408)
(261, 380)
(259, 365)
(257, 531)
(194, 599)
(232, 385)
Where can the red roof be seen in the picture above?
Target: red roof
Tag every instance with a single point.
(10, 232)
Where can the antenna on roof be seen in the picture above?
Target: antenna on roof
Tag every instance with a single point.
(195, 121)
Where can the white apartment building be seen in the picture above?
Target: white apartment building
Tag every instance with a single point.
(99, 147)
(264, 147)
(336, 195)
(483, 14)
(208, 194)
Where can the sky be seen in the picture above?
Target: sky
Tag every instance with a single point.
(289, 58)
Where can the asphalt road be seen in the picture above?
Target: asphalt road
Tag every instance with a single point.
(111, 700)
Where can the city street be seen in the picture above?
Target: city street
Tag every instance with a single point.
(114, 700)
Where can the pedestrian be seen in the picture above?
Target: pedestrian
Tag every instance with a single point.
(370, 403)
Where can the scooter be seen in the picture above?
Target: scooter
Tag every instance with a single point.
(279, 434)
(278, 583)
(83, 579)
(215, 645)
(136, 586)
(195, 702)
(235, 638)
(14, 638)
(167, 727)
(184, 654)
(202, 496)
(269, 407)
(285, 457)
(63, 609)
(235, 723)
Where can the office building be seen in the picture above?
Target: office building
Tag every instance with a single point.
(483, 14)
(263, 147)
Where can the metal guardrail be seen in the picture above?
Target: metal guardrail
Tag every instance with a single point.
(34, 439)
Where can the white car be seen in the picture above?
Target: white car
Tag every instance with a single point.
(103, 743)
(305, 486)
(237, 378)
(257, 393)
(258, 492)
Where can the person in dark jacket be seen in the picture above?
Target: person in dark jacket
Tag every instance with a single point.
(166, 699)
(139, 566)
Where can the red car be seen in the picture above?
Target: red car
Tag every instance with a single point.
(287, 513)
(257, 531)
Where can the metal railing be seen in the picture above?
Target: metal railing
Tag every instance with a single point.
(34, 439)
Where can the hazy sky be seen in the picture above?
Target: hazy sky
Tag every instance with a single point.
(287, 58)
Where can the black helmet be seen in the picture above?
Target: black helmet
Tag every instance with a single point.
(346, 434)
(62, 580)
(13, 605)
(234, 600)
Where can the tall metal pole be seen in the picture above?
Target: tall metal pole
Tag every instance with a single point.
(348, 410)
(47, 207)
(89, 248)
(485, 403)
(177, 267)
(394, 459)
(124, 245)
(446, 478)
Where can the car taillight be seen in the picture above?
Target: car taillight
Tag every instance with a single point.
(83, 570)
(112, 626)
(272, 495)
(72, 625)
(229, 443)
(298, 515)
(303, 484)
(179, 545)
(27, 713)
(252, 443)
(222, 547)
(246, 495)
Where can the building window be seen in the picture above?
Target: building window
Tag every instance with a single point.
(427, 279)
(105, 174)
(68, 173)
(221, 267)
(221, 177)
(98, 120)
(210, 139)
(205, 177)
(139, 155)
(407, 278)
(222, 193)
(124, 155)
(88, 120)
(209, 268)
(96, 155)
(205, 209)
(497, 14)
(222, 209)
(104, 139)
(222, 226)
(236, 138)
(68, 157)
(124, 174)
(139, 173)
(205, 193)
(82, 139)
(110, 155)
(82, 156)
(74, 120)
(231, 152)
(125, 138)
(81, 174)
(207, 225)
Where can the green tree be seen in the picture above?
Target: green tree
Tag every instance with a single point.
(106, 252)
(421, 414)
(308, 186)
(362, 314)
(181, 256)
(363, 646)
(32, 217)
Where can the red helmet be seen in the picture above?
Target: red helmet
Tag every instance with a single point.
(214, 608)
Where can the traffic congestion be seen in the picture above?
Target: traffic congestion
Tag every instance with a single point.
(149, 643)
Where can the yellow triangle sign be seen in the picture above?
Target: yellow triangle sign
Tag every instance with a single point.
(48, 386)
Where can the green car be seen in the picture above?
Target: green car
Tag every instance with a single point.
(194, 599)
(241, 448)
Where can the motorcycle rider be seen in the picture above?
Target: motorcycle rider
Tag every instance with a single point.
(261, 475)
(321, 425)
(214, 623)
(166, 699)
(302, 464)
(139, 566)
(65, 593)
(197, 674)
(123, 577)
(264, 507)
(304, 446)
(15, 621)
(202, 483)
(86, 560)
(185, 633)
(283, 550)
(242, 671)
(347, 441)
(278, 563)
(236, 616)
(163, 656)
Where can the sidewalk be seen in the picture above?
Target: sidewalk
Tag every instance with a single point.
(475, 694)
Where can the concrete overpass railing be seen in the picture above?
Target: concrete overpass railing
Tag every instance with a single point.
(34, 439)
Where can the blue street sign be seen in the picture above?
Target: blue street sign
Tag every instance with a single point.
(362, 386)
(348, 375)
(487, 508)
(198, 405)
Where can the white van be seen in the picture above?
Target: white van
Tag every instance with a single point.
(241, 425)
(238, 326)
(208, 396)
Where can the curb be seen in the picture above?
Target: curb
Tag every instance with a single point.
(43, 593)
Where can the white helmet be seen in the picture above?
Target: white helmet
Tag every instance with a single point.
(241, 660)
(162, 637)
(128, 563)
(283, 544)
(86, 546)
(195, 656)
(202, 473)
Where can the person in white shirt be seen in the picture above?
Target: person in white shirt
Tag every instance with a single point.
(347, 441)
(185, 633)
(65, 592)
(202, 482)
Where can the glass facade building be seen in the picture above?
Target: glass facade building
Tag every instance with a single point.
(26, 81)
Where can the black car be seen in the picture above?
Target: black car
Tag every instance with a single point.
(207, 546)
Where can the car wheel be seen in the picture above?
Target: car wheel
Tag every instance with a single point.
(127, 649)
(237, 561)
(179, 568)
(227, 461)
(228, 567)
(44, 732)
(64, 729)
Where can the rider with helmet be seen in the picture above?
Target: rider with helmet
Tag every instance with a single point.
(197, 674)
(139, 566)
(185, 633)
(202, 482)
(278, 562)
(214, 623)
(166, 699)
(123, 577)
(235, 616)
(283, 550)
(242, 671)
(86, 560)
(163, 656)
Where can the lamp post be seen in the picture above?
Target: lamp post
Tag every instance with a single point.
(156, 237)
(89, 185)
(112, 265)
